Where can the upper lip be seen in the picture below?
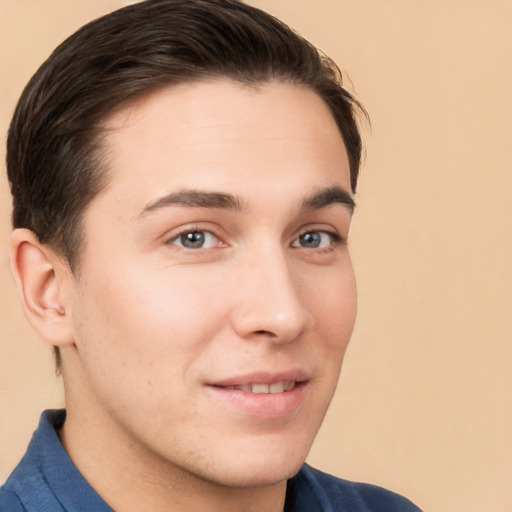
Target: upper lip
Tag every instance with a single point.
(263, 377)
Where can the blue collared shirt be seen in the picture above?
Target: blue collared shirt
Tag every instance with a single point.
(46, 480)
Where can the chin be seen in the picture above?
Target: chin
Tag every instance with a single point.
(263, 469)
(266, 476)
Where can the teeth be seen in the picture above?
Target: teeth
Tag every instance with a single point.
(275, 387)
(260, 388)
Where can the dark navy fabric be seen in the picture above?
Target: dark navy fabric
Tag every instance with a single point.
(319, 492)
(47, 481)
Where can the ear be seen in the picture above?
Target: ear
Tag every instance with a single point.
(41, 276)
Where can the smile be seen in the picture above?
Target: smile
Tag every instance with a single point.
(275, 387)
(262, 395)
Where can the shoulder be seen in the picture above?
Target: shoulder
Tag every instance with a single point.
(46, 480)
(27, 488)
(332, 493)
(9, 502)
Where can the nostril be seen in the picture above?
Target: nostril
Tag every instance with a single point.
(266, 333)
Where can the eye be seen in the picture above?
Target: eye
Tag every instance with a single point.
(196, 240)
(315, 240)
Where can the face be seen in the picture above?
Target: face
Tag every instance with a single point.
(216, 295)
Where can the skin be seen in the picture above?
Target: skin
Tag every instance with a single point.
(150, 326)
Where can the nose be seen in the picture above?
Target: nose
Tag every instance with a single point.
(270, 300)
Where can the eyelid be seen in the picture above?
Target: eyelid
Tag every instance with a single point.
(209, 240)
(205, 227)
(335, 239)
(196, 227)
(335, 235)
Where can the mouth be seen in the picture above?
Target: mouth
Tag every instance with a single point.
(263, 395)
(262, 388)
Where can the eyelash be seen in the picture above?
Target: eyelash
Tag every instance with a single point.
(194, 230)
(335, 238)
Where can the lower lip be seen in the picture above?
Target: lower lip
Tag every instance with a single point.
(262, 405)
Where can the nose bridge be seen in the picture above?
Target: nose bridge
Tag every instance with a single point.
(269, 300)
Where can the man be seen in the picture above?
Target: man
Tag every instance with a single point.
(183, 174)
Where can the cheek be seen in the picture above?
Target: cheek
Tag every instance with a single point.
(334, 305)
(141, 342)
(147, 318)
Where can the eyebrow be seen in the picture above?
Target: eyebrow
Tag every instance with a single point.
(195, 199)
(224, 201)
(327, 197)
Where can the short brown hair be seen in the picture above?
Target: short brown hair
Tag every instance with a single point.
(54, 153)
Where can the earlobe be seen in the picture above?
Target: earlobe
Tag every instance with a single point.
(39, 277)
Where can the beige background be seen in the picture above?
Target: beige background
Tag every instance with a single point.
(425, 401)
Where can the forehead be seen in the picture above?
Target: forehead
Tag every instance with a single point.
(223, 136)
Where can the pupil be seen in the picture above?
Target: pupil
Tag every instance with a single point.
(310, 240)
(193, 240)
